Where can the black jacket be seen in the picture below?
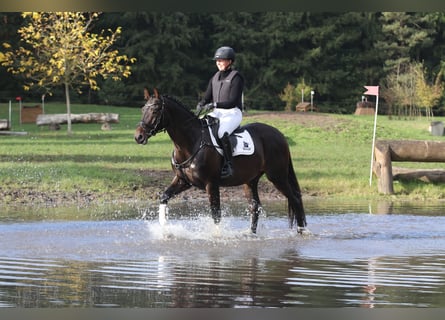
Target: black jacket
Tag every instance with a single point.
(225, 88)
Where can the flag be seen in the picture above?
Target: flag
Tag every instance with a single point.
(372, 90)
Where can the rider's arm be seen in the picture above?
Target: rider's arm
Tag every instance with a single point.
(207, 98)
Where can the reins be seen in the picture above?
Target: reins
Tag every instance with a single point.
(189, 160)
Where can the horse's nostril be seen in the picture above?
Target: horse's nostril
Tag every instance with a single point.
(140, 139)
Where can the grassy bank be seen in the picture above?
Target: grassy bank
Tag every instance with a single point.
(331, 155)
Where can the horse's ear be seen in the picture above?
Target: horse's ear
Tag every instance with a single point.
(156, 93)
(146, 94)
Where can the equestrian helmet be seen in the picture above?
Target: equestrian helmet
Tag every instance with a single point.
(225, 53)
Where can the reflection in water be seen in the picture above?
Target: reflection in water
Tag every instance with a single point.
(378, 281)
(351, 259)
(370, 287)
(213, 283)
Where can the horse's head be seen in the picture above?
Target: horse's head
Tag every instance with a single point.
(152, 117)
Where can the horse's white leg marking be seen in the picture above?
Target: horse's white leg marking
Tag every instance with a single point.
(163, 212)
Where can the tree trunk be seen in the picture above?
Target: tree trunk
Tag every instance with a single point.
(68, 109)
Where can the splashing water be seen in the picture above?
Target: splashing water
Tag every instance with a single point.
(350, 259)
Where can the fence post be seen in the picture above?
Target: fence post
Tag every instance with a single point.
(383, 168)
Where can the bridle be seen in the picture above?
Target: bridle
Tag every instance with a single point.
(152, 131)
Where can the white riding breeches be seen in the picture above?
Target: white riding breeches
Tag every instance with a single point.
(229, 119)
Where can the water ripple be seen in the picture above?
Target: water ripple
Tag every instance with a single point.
(350, 259)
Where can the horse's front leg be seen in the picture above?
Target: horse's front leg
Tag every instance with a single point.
(212, 190)
(177, 186)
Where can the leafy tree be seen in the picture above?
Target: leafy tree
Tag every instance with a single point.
(288, 96)
(59, 50)
(303, 90)
(291, 94)
(427, 94)
(408, 90)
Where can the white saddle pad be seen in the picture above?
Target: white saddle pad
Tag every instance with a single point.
(244, 145)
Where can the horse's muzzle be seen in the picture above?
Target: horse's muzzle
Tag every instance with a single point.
(140, 136)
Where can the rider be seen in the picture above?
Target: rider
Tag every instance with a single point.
(224, 97)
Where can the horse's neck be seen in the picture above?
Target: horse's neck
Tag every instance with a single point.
(184, 129)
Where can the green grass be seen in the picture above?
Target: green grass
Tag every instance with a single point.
(331, 159)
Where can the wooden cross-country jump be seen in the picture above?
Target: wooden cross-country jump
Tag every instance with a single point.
(387, 151)
(61, 118)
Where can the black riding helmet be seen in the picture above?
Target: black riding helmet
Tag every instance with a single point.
(224, 53)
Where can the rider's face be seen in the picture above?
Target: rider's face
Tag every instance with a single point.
(223, 64)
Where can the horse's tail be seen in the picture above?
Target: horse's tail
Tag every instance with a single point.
(295, 202)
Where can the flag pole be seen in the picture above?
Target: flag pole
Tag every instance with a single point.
(373, 138)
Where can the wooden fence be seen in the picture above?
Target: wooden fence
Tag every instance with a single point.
(387, 151)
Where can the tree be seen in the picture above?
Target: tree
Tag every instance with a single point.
(399, 90)
(288, 96)
(59, 50)
(292, 94)
(408, 89)
(336, 52)
(9, 22)
(403, 36)
(427, 94)
(170, 51)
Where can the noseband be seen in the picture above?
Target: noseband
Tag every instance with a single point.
(155, 129)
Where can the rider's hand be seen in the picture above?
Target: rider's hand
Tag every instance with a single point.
(199, 107)
(207, 107)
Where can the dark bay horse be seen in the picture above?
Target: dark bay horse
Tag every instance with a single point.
(196, 162)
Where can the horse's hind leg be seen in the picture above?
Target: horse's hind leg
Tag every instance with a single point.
(251, 193)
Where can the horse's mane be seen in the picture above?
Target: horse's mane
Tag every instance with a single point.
(179, 102)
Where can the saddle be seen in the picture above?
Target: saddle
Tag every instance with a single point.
(241, 140)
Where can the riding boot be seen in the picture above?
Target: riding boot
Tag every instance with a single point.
(226, 170)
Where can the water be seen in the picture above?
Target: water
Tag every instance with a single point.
(357, 255)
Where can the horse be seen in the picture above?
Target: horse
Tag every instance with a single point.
(196, 161)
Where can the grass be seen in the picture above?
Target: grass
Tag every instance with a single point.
(331, 157)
